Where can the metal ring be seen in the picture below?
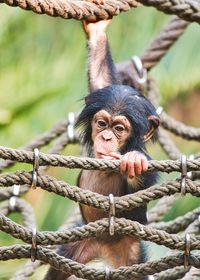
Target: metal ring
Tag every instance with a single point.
(107, 272)
(199, 222)
(159, 110)
(150, 277)
(187, 250)
(141, 71)
(70, 126)
(183, 174)
(12, 201)
(111, 215)
(35, 168)
(34, 244)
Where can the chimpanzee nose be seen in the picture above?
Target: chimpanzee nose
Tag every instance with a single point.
(107, 135)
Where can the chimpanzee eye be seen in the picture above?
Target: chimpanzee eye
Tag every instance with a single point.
(101, 123)
(119, 128)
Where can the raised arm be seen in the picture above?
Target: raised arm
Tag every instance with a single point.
(101, 69)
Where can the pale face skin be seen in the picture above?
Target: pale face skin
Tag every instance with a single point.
(109, 135)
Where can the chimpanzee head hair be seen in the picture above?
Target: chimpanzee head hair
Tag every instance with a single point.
(119, 100)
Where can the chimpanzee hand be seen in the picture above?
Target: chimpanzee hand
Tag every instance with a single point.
(94, 28)
(133, 163)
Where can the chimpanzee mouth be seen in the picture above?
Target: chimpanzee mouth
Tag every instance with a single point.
(103, 156)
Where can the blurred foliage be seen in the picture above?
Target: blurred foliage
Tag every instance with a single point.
(43, 77)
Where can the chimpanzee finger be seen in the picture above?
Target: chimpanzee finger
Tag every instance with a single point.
(131, 167)
(144, 164)
(123, 164)
(138, 165)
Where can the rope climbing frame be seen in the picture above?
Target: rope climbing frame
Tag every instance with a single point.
(181, 234)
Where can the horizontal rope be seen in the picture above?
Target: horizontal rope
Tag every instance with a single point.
(172, 274)
(91, 163)
(74, 8)
(82, 271)
(96, 229)
(96, 200)
(186, 9)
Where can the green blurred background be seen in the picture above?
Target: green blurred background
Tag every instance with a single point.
(43, 77)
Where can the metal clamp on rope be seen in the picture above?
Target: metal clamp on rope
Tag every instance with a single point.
(70, 126)
(35, 168)
(111, 215)
(12, 201)
(34, 244)
(141, 71)
(150, 277)
(159, 110)
(183, 174)
(107, 272)
(187, 250)
(189, 174)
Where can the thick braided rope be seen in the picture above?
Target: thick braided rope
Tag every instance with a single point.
(91, 163)
(186, 9)
(96, 200)
(74, 8)
(171, 274)
(180, 223)
(96, 229)
(163, 42)
(40, 141)
(127, 73)
(193, 274)
(157, 213)
(68, 266)
(178, 128)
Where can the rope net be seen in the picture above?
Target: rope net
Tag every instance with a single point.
(180, 235)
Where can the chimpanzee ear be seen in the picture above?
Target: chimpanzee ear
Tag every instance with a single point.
(154, 123)
(87, 99)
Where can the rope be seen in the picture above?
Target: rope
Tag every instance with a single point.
(185, 9)
(82, 271)
(96, 200)
(91, 163)
(178, 128)
(163, 42)
(75, 9)
(96, 229)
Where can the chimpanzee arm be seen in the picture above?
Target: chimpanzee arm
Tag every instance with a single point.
(101, 69)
